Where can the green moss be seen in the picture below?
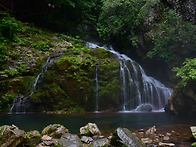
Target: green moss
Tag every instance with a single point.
(102, 53)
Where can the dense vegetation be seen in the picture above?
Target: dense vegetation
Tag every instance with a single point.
(156, 30)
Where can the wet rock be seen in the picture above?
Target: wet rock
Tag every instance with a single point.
(90, 129)
(55, 130)
(151, 130)
(166, 138)
(70, 140)
(101, 142)
(86, 139)
(46, 138)
(193, 130)
(32, 138)
(146, 140)
(166, 144)
(144, 107)
(11, 136)
(123, 136)
(182, 100)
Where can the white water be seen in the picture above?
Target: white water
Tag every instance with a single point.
(138, 89)
(19, 104)
(97, 90)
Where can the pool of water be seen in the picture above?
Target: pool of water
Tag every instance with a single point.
(105, 121)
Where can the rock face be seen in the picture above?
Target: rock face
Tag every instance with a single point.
(183, 100)
(69, 83)
(123, 136)
(11, 136)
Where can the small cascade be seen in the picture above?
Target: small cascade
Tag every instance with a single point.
(139, 91)
(97, 89)
(21, 102)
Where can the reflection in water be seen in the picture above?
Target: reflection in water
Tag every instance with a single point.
(105, 121)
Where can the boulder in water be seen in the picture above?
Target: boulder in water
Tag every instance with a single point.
(144, 107)
(55, 130)
(90, 129)
(123, 136)
(11, 136)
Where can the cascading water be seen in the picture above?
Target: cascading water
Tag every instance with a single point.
(20, 104)
(97, 90)
(139, 91)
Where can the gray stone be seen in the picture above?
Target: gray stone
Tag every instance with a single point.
(123, 136)
(11, 136)
(55, 130)
(86, 139)
(70, 140)
(90, 129)
(166, 144)
(146, 140)
(151, 130)
(101, 142)
(33, 138)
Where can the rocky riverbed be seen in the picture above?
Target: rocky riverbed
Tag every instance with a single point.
(56, 135)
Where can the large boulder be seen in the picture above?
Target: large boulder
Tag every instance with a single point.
(123, 136)
(69, 83)
(11, 136)
(33, 138)
(183, 99)
(55, 130)
(90, 129)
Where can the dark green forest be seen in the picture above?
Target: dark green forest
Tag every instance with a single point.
(158, 34)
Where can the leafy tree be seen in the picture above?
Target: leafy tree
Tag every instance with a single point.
(187, 71)
(172, 31)
(70, 13)
(120, 18)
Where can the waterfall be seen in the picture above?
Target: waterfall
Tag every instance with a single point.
(138, 91)
(97, 89)
(20, 102)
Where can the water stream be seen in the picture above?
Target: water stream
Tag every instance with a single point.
(139, 91)
(20, 103)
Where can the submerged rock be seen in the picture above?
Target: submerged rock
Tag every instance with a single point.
(123, 136)
(151, 130)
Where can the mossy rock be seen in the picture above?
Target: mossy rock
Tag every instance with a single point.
(183, 100)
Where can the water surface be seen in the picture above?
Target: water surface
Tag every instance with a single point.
(105, 121)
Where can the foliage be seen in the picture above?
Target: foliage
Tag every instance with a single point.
(69, 14)
(5, 101)
(7, 27)
(171, 31)
(187, 71)
(120, 18)
(42, 46)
